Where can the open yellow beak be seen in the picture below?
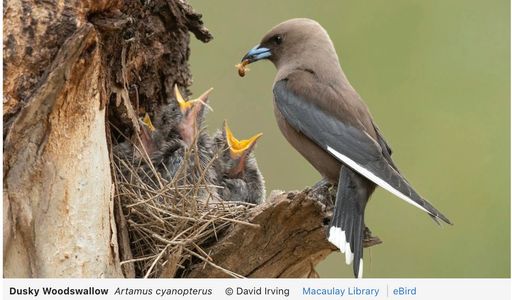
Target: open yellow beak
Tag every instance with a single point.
(186, 105)
(148, 123)
(239, 147)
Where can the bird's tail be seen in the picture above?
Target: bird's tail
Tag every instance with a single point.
(383, 173)
(399, 186)
(346, 229)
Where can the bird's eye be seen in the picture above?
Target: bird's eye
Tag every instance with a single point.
(278, 39)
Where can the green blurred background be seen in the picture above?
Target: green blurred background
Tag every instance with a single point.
(435, 75)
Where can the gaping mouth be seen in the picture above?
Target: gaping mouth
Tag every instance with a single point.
(239, 147)
(186, 105)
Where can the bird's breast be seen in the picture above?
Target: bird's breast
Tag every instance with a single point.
(322, 161)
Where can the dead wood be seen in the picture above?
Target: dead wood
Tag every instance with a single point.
(49, 178)
(289, 241)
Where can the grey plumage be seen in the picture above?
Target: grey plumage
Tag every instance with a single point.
(323, 117)
(166, 121)
(239, 176)
(328, 131)
(182, 148)
(191, 163)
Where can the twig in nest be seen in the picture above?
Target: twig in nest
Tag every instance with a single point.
(170, 221)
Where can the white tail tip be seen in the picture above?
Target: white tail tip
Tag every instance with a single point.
(360, 271)
(337, 238)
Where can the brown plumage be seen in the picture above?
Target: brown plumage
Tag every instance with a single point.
(322, 116)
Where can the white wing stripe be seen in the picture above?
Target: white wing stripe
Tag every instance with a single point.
(361, 170)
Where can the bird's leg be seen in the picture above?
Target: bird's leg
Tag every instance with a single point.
(324, 183)
(324, 191)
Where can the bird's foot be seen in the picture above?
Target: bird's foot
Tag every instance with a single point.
(370, 240)
(322, 184)
(323, 190)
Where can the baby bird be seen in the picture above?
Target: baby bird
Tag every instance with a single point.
(237, 169)
(137, 150)
(181, 142)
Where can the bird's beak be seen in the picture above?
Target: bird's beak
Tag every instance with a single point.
(239, 148)
(191, 109)
(147, 122)
(187, 105)
(145, 139)
(184, 105)
(256, 53)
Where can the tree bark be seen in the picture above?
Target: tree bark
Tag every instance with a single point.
(64, 62)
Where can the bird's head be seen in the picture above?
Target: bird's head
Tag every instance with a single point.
(289, 42)
(237, 151)
(167, 118)
(192, 111)
(144, 140)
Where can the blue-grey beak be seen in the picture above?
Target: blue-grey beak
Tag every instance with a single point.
(257, 53)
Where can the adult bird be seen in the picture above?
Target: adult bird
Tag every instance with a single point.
(237, 169)
(323, 117)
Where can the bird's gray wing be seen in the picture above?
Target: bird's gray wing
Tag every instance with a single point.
(351, 146)
(386, 149)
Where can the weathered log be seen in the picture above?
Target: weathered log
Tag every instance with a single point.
(289, 242)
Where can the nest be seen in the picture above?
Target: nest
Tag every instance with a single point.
(171, 223)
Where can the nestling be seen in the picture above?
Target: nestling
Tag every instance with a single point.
(180, 138)
(237, 169)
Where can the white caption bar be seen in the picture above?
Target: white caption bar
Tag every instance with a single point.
(419, 289)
